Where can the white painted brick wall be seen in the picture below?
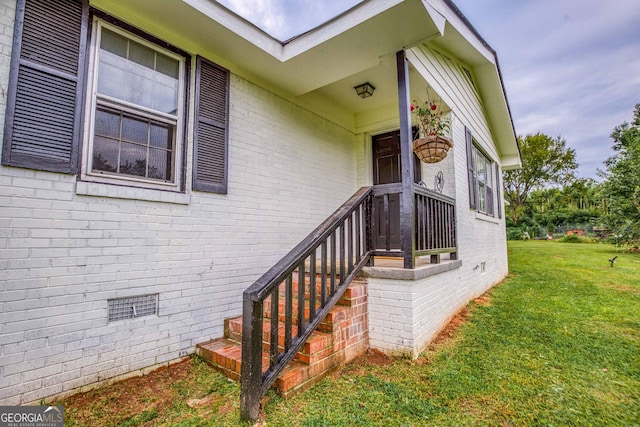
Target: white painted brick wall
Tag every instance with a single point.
(63, 255)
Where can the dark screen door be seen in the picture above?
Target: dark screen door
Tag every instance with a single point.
(387, 169)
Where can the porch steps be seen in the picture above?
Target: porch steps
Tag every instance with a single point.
(341, 336)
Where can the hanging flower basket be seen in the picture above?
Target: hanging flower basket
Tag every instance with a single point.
(432, 149)
(431, 122)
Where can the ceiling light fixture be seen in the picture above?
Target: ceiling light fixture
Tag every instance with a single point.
(364, 90)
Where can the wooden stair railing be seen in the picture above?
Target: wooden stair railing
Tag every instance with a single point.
(337, 250)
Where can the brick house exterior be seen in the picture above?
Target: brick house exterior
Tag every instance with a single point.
(77, 245)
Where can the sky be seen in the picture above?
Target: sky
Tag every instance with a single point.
(571, 68)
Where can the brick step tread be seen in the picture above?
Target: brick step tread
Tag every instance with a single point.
(358, 281)
(317, 344)
(226, 356)
(353, 295)
(335, 315)
(330, 324)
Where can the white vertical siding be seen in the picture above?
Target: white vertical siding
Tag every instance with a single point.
(447, 76)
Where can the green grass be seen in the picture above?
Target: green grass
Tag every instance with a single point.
(558, 344)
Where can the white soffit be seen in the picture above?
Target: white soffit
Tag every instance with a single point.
(354, 46)
(344, 46)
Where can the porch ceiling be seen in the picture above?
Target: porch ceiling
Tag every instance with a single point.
(341, 52)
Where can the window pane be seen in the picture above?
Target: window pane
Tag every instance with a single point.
(141, 55)
(133, 159)
(167, 66)
(114, 43)
(139, 90)
(166, 99)
(105, 154)
(135, 130)
(161, 136)
(107, 123)
(160, 164)
(481, 169)
(111, 78)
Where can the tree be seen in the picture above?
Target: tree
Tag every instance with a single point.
(545, 161)
(622, 185)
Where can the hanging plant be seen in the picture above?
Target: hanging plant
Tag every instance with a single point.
(432, 143)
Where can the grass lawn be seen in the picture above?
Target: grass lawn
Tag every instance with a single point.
(556, 344)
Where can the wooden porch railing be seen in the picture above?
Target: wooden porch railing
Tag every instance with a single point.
(323, 265)
(435, 223)
(337, 250)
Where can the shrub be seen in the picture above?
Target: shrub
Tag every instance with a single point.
(574, 238)
(571, 238)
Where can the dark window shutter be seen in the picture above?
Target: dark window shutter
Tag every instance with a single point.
(44, 105)
(473, 186)
(498, 190)
(211, 130)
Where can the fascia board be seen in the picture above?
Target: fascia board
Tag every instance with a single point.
(344, 22)
(238, 26)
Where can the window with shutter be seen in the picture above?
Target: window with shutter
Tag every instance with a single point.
(134, 109)
(42, 126)
(210, 139)
(482, 191)
(136, 113)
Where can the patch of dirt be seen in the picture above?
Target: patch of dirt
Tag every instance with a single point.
(227, 408)
(362, 364)
(622, 288)
(453, 325)
(482, 300)
(448, 331)
(376, 357)
(142, 401)
(134, 395)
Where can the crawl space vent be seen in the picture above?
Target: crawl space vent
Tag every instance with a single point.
(131, 307)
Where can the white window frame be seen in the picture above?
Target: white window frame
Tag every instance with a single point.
(92, 102)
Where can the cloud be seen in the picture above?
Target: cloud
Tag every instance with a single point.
(284, 19)
(571, 67)
(270, 15)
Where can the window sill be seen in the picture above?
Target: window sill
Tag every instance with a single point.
(133, 193)
(487, 218)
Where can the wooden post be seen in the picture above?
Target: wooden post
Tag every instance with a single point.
(251, 368)
(407, 204)
(368, 228)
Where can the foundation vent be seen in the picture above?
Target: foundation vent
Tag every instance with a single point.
(132, 307)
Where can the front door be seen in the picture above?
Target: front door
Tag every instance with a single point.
(387, 170)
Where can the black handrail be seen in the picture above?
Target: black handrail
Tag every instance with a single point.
(343, 241)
